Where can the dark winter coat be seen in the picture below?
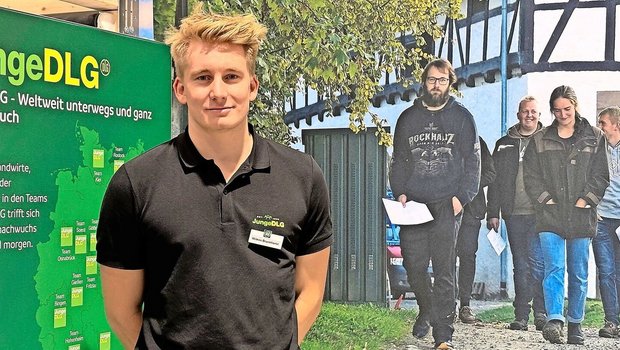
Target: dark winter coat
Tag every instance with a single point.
(565, 175)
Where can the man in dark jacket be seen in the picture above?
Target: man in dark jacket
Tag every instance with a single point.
(436, 161)
(506, 196)
(467, 241)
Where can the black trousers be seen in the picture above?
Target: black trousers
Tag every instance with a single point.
(433, 241)
(466, 248)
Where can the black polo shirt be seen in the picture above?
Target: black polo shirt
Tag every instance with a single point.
(171, 213)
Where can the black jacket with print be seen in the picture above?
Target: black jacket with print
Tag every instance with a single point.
(436, 154)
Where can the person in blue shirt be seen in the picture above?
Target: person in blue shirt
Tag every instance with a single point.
(606, 245)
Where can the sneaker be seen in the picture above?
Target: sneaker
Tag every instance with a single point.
(518, 325)
(552, 331)
(444, 346)
(467, 316)
(575, 334)
(421, 327)
(539, 320)
(609, 330)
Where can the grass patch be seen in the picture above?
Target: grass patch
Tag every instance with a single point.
(594, 315)
(353, 327)
(370, 327)
(499, 315)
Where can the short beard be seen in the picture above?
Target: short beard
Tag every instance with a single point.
(434, 101)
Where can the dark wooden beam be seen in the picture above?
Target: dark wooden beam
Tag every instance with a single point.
(610, 34)
(558, 30)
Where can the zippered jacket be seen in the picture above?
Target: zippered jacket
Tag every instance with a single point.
(501, 193)
(565, 175)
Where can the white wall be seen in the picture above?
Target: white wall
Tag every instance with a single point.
(583, 38)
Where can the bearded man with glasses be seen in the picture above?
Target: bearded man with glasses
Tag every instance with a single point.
(436, 161)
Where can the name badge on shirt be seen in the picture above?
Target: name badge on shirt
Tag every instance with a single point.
(266, 238)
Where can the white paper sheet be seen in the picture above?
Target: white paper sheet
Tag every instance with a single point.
(618, 232)
(497, 242)
(413, 213)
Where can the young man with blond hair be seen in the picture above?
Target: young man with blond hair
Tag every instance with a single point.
(219, 238)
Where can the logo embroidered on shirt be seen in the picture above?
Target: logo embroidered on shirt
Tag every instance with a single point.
(268, 221)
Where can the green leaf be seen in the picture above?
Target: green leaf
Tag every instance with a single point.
(341, 57)
(312, 63)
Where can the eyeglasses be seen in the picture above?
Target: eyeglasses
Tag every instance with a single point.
(441, 81)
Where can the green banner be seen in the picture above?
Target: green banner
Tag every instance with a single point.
(75, 104)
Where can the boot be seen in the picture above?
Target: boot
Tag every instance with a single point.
(540, 319)
(575, 335)
(422, 326)
(467, 316)
(609, 330)
(518, 325)
(552, 331)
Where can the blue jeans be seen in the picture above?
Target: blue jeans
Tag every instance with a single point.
(529, 268)
(606, 248)
(565, 255)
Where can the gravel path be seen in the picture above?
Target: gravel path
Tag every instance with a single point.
(496, 336)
